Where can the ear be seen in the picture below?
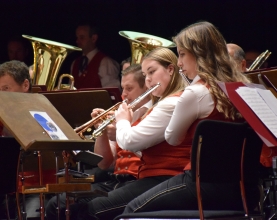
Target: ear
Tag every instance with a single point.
(243, 66)
(170, 69)
(26, 85)
(94, 38)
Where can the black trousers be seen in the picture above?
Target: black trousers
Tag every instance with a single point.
(179, 193)
(116, 181)
(113, 205)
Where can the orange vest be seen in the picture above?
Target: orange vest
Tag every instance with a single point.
(127, 162)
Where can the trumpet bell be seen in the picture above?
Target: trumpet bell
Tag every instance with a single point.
(48, 57)
(142, 43)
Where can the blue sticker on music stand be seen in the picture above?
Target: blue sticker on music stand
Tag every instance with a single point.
(44, 123)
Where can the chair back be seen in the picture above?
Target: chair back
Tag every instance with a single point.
(220, 154)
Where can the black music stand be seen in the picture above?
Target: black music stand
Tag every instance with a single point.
(76, 106)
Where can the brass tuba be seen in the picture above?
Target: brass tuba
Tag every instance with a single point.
(48, 57)
(69, 86)
(142, 43)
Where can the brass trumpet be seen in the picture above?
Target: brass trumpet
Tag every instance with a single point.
(87, 126)
(98, 132)
(259, 61)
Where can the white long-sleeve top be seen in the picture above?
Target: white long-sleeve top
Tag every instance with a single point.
(196, 102)
(150, 131)
(136, 115)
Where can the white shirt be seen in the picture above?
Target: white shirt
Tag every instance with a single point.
(150, 131)
(136, 115)
(196, 102)
(108, 70)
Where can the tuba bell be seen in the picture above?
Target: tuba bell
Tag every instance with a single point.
(142, 43)
(48, 57)
(69, 86)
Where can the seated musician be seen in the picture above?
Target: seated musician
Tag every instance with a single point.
(125, 163)
(237, 53)
(160, 161)
(14, 77)
(203, 57)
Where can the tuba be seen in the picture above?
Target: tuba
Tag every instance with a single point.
(69, 86)
(142, 43)
(48, 57)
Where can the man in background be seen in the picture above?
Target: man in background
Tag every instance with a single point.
(18, 49)
(93, 69)
(237, 53)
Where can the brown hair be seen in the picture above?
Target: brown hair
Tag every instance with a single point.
(214, 64)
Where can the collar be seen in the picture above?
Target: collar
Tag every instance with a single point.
(91, 54)
(195, 80)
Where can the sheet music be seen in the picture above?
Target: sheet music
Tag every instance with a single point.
(48, 125)
(255, 99)
(269, 98)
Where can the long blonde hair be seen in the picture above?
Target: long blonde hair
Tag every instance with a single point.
(214, 64)
(165, 57)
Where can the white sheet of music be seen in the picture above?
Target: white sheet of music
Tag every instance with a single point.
(257, 100)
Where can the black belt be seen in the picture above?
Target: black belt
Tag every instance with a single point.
(122, 177)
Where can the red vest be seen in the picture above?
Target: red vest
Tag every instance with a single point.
(267, 154)
(215, 115)
(91, 78)
(1, 128)
(164, 159)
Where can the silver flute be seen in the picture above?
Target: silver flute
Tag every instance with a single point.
(98, 132)
(184, 77)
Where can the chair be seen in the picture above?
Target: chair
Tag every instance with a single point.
(235, 148)
(9, 158)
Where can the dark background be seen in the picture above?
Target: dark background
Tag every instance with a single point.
(250, 24)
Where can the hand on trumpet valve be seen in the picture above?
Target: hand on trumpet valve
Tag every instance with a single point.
(124, 112)
(96, 112)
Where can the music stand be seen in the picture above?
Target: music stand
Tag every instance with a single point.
(15, 116)
(76, 106)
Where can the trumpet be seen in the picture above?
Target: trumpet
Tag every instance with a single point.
(87, 126)
(98, 132)
(259, 60)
